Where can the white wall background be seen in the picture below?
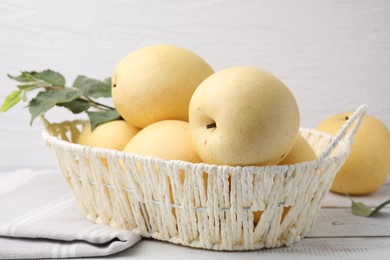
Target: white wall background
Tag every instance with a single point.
(334, 55)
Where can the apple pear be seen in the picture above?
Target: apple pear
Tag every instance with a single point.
(301, 152)
(368, 163)
(167, 139)
(243, 116)
(111, 135)
(156, 83)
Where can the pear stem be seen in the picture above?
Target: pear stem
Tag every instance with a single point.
(212, 125)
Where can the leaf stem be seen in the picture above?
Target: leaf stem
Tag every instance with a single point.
(96, 104)
(381, 206)
(53, 87)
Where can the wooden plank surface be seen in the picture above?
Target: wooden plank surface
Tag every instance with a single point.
(338, 234)
(340, 222)
(308, 248)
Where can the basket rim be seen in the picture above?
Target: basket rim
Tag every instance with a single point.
(105, 152)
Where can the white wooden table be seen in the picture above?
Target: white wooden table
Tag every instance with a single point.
(337, 234)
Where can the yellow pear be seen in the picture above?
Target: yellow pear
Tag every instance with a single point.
(111, 135)
(368, 164)
(168, 140)
(301, 152)
(257, 215)
(156, 83)
(243, 116)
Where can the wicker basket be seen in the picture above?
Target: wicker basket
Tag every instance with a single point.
(214, 207)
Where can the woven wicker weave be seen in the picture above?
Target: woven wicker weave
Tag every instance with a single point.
(213, 208)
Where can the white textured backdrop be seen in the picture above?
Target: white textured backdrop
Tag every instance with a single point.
(334, 55)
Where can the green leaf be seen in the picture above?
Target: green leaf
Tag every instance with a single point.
(98, 118)
(11, 100)
(28, 87)
(52, 77)
(76, 106)
(24, 77)
(381, 206)
(46, 100)
(23, 96)
(93, 87)
(49, 76)
(107, 81)
(360, 209)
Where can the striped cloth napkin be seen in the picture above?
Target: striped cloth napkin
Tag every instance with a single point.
(39, 219)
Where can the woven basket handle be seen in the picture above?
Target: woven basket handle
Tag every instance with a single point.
(352, 124)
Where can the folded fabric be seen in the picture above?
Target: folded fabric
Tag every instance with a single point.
(39, 219)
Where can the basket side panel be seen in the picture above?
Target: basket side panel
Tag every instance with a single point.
(200, 205)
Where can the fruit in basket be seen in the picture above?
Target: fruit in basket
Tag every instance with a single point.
(167, 139)
(257, 215)
(368, 164)
(301, 152)
(156, 83)
(111, 135)
(243, 116)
